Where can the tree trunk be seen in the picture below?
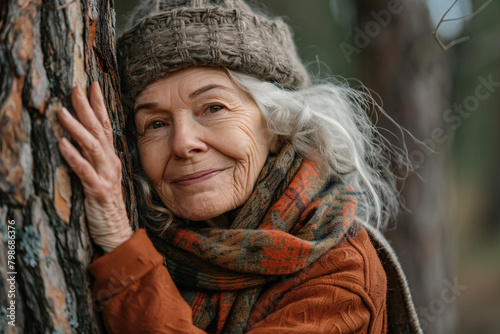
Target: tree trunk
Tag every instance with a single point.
(46, 49)
(401, 62)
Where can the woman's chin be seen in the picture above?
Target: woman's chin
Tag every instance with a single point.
(206, 205)
(199, 213)
(213, 213)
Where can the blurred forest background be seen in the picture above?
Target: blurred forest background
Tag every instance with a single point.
(449, 241)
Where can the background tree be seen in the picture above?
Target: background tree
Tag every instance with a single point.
(46, 49)
(403, 64)
(461, 239)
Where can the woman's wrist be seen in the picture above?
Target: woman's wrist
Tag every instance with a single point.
(108, 228)
(119, 237)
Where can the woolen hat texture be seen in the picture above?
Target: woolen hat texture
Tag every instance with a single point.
(165, 36)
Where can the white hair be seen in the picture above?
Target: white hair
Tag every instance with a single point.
(327, 123)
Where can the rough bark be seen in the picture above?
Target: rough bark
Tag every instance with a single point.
(47, 48)
(401, 62)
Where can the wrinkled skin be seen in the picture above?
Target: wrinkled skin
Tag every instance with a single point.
(202, 143)
(98, 167)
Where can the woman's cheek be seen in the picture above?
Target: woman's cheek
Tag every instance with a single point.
(153, 148)
(153, 138)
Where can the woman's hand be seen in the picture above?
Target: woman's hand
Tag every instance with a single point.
(99, 169)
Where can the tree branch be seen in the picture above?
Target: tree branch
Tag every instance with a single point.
(462, 39)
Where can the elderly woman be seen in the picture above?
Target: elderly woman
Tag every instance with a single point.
(259, 192)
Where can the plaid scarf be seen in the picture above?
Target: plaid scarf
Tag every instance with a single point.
(294, 215)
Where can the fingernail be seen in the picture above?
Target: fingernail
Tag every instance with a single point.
(65, 111)
(76, 90)
(64, 141)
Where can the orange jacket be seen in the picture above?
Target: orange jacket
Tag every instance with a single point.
(342, 292)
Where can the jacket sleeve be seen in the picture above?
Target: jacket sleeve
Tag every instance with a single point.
(342, 292)
(136, 293)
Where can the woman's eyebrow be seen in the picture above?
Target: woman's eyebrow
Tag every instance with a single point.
(150, 105)
(199, 91)
(206, 88)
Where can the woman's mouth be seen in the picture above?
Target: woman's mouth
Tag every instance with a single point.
(197, 177)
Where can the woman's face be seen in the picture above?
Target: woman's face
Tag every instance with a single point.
(202, 142)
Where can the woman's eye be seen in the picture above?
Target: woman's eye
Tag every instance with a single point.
(214, 109)
(156, 125)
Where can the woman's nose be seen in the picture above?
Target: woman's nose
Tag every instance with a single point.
(187, 139)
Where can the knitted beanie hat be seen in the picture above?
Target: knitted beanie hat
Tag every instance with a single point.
(169, 35)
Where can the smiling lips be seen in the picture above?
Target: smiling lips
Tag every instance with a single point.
(197, 177)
